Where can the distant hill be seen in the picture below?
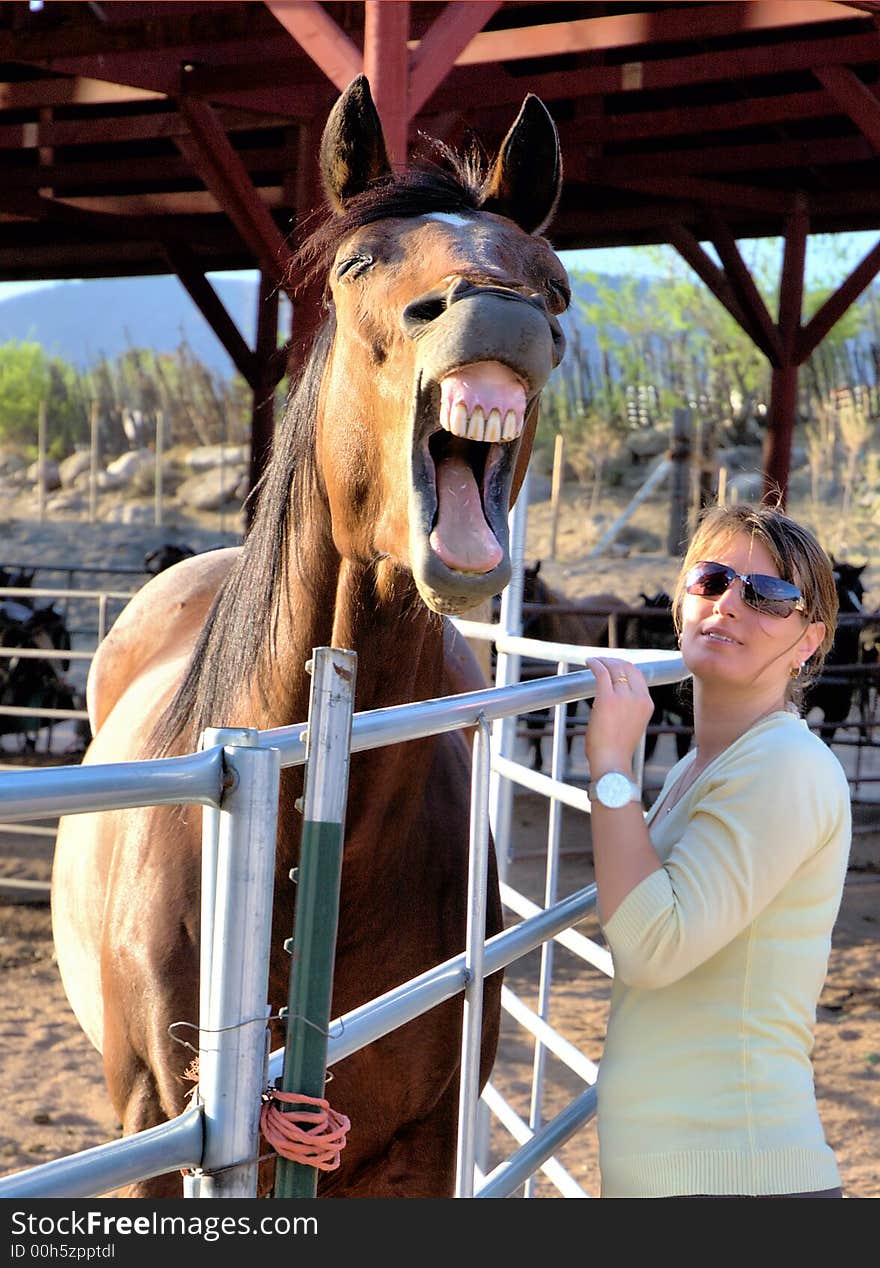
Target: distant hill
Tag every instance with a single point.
(83, 321)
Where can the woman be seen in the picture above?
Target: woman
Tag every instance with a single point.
(718, 905)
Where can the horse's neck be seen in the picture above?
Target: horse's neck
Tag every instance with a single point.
(371, 610)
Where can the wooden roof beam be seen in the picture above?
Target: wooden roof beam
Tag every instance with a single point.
(73, 90)
(209, 304)
(720, 193)
(443, 43)
(218, 165)
(854, 98)
(791, 282)
(747, 295)
(836, 305)
(318, 35)
(590, 35)
(675, 72)
(709, 273)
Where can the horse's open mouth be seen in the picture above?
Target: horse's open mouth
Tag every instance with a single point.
(482, 411)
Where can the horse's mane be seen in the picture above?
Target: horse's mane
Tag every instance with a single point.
(242, 625)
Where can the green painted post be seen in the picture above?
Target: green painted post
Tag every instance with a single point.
(316, 913)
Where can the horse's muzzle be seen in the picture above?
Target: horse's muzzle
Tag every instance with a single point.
(465, 323)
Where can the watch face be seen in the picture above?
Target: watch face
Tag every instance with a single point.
(614, 790)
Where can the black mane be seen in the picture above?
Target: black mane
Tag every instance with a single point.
(242, 624)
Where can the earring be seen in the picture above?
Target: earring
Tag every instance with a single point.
(795, 671)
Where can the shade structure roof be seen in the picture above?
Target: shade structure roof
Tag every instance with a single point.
(147, 137)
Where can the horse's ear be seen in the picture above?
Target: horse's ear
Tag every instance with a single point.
(526, 178)
(353, 152)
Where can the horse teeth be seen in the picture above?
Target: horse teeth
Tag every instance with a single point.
(512, 425)
(476, 425)
(493, 426)
(458, 419)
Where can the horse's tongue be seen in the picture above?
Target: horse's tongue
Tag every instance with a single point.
(461, 537)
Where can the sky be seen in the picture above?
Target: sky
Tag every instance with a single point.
(830, 257)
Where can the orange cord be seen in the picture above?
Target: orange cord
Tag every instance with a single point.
(318, 1145)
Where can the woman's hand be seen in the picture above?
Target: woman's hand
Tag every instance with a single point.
(620, 711)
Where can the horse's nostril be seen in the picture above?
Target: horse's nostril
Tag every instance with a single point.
(422, 311)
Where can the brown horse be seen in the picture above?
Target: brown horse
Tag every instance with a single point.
(382, 511)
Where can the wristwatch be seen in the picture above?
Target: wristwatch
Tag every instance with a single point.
(614, 789)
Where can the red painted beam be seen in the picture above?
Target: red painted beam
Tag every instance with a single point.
(791, 283)
(318, 35)
(209, 304)
(723, 193)
(631, 30)
(386, 65)
(218, 165)
(836, 305)
(435, 53)
(708, 272)
(748, 296)
(854, 98)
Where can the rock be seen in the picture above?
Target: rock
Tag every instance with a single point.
(647, 443)
(211, 489)
(747, 487)
(128, 465)
(73, 467)
(12, 463)
(51, 478)
(207, 456)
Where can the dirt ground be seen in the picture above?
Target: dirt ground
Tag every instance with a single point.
(52, 1099)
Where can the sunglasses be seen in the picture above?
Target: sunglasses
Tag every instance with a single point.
(769, 595)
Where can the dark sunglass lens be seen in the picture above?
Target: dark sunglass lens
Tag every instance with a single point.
(771, 595)
(708, 580)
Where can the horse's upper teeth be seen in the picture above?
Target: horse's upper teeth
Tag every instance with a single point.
(477, 426)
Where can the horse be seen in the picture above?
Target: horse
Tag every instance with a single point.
(156, 561)
(832, 693)
(672, 701)
(589, 627)
(29, 682)
(382, 512)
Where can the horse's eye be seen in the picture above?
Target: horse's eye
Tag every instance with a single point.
(353, 266)
(560, 295)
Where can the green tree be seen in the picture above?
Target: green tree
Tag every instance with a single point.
(27, 377)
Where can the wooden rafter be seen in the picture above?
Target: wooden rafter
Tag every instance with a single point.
(433, 55)
(836, 305)
(748, 296)
(854, 98)
(318, 35)
(791, 283)
(222, 171)
(209, 304)
(708, 272)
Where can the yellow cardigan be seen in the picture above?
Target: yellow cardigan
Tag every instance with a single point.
(705, 1083)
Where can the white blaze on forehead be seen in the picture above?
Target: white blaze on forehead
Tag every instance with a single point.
(449, 218)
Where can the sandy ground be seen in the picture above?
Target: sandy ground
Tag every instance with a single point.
(52, 1100)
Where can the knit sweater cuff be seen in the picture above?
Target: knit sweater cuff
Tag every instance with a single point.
(626, 928)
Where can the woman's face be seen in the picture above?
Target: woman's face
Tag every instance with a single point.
(725, 641)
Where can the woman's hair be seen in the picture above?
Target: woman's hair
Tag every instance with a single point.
(797, 555)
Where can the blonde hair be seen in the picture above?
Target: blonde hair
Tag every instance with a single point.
(795, 552)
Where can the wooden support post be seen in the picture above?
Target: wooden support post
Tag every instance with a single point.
(263, 416)
(680, 458)
(556, 489)
(386, 65)
(780, 429)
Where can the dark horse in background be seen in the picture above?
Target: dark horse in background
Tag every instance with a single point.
(547, 616)
(32, 682)
(832, 694)
(383, 510)
(673, 703)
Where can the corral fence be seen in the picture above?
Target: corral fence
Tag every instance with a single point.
(235, 778)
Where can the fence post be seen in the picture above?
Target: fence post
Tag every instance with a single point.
(160, 442)
(233, 1037)
(556, 489)
(316, 914)
(93, 462)
(41, 462)
(680, 457)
